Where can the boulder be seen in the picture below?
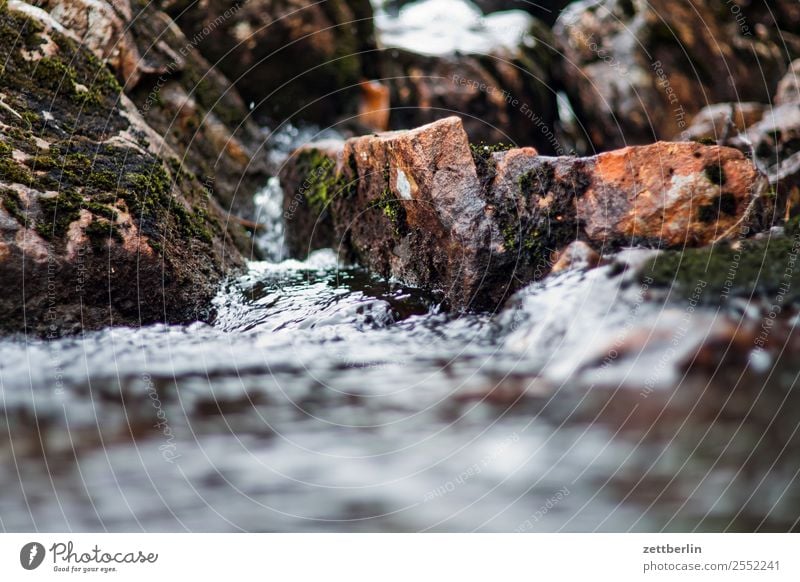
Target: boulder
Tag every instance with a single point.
(179, 94)
(477, 222)
(637, 71)
(99, 222)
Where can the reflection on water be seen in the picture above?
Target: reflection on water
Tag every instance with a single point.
(325, 399)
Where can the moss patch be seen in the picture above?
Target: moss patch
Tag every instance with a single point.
(13, 204)
(100, 232)
(321, 183)
(760, 268)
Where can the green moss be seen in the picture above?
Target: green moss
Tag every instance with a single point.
(392, 209)
(13, 204)
(148, 196)
(57, 213)
(758, 268)
(536, 182)
(103, 180)
(14, 172)
(100, 232)
(321, 182)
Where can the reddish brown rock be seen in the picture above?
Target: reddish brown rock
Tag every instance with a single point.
(425, 207)
(667, 194)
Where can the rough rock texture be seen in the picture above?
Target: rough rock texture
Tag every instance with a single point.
(293, 58)
(179, 94)
(638, 71)
(476, 223)
(102, 27)
(99, 224)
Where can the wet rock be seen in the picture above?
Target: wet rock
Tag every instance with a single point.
(768, 134)
(99, 224)
(667, 194)
(639, 71)
(404, 204)
(293, 59)
(476, 223)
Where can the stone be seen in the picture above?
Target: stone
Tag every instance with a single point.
(722, 122)
(476, 223)
(102, 28)
(667, 194)
(99, 222)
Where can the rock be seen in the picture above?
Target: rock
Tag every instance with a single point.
(293, 59)
(102, 28)
(201, 116)
(476, 223)
(312, 172)
(99, 224)
(178, 93)
(404, 204)
(577, 255)
(771, 135)
(667, 194)
(639, 71)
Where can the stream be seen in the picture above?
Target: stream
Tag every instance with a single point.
(322, 398)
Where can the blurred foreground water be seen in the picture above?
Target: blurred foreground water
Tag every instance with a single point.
(325, 399)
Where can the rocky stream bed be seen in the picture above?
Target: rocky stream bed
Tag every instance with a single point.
(291, 266)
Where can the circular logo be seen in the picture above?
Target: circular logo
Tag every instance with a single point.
(31, 555)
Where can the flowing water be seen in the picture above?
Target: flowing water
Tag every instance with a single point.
(324, 399)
